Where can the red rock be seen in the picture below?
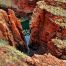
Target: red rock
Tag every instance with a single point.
(45, 60)
(26, 5)
(47, 24)
(11, 30)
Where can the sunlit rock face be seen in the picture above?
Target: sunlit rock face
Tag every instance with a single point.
(48, 22)
(11, 57)
(11, 30)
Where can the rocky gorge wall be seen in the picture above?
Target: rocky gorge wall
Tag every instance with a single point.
(11, 30)
(47, 26)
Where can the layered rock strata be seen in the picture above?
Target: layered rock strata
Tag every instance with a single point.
(48, 24)
(11, 30)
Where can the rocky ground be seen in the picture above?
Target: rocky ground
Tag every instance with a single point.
(11, 57)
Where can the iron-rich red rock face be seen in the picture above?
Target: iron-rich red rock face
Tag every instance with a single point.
(26, 5)
(21, 7)
(11, 30)
(44, 28)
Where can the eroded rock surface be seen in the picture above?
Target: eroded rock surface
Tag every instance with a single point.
(48, 23)
(11, 30)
